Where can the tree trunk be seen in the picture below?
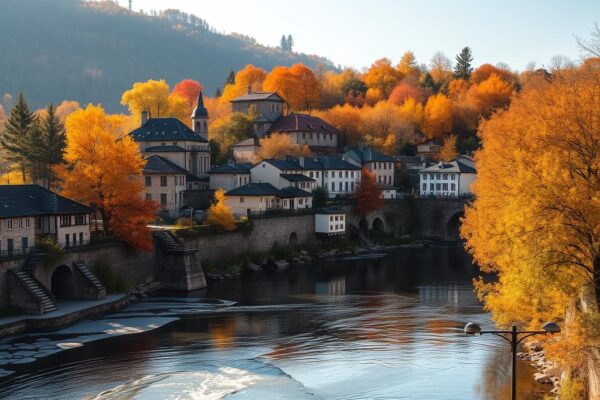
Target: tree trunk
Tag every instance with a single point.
(596, 277)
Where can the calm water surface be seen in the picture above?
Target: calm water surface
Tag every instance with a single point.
(385, 328)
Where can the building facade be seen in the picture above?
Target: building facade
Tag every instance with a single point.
(266, 107)
(379, 164)
(264, 197)
(165, 183)
(229, 176)
(447, 179)
(330, 221)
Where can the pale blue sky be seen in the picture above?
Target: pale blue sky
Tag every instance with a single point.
(357, 32)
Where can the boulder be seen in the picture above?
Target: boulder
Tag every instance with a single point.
(542, 378)
(282, 264)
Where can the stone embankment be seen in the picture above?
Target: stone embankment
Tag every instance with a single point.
(548, 372)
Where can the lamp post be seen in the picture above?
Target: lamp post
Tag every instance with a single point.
(512, 336)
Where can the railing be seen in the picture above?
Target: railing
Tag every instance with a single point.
(274, 212)
(18, 252)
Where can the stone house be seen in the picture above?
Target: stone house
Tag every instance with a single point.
(31, 212)
(306, 129)
(265, 106)
(447, 179)
(429, 150)
(165, 183)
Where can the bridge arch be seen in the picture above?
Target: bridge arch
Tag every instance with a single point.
(453, 225)
(293, 239)
(378, 225)
(62, 283)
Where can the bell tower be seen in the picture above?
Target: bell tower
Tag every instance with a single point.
(200, 118)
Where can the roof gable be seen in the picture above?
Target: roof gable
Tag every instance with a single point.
(295, 122)
(158, 164)
(31, 200)
(157, 129)
(258, 96)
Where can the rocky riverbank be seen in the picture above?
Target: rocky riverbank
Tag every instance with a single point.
(548, 372)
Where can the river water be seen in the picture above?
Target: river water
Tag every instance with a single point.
(388, 327)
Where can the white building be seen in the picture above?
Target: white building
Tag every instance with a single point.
(447, 179)
(165, 183)
(229, 176)
(330, 221)
(31, 212)
(263, 197)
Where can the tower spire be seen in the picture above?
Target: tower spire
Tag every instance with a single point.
(200, 117)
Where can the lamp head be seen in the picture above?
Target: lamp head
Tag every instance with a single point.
(551, 328)
(472, 328)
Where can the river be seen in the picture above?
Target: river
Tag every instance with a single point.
(388, 327)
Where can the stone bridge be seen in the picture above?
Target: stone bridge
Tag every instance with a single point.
(425, 218)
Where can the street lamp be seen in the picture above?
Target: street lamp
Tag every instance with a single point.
(513, 338)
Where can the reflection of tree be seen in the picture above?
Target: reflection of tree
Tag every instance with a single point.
(496, 379)
(222, 331)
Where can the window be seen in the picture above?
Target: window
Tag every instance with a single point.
(453, 176)
(65, 220)
(27, 222)
(424, 177)
(67, 240)
(430, 177)
(432, 186)
(346, 186)
(341, 217)
(74, 239)
(346, 174)
(310, 174)
(300, 201)
(340, 174)
(453, 186)
(333, 186)
(241, 199)
(80, 238)
(336, 218)
(9, 224)
(352, 174)
(326, 174)
(424, 187)
(80, 219)
(20, 223)
(163, 199)
(148, 196)
(163, 180)
(438, 186)
(444, 186)
(445, 176)
(331, 218)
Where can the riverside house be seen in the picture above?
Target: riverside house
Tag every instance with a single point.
(381, 165)
(31, 212)
(447, 179)
(263, 197)
(165, 183)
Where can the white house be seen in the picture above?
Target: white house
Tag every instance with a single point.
(165, 183)
(330, 221)
(229, 176)
(447, 179)
(262, 197)
(381, 165)
(30, 212)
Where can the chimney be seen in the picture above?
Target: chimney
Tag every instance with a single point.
(144, 117)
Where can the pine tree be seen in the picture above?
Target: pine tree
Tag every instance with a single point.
(218, 92)
(290, 43)
(16, 129)
(284, 43)
(463, 68)
(230, 78)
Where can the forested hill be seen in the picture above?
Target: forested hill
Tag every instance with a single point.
(91, 52)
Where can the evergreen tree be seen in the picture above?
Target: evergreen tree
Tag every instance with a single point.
(290, 43)
(16, 130)
(463, 68)
(230, 78)
(427, 82)
(284, 43)
(218, 92)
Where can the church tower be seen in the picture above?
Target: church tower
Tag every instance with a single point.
(200, 118)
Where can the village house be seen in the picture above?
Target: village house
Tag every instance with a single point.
(330, 221)
(306, 129)
(263, 197)
(165, 183)
(172, 139)
(429, 150)
(229, 176)
(266, 107)
(447, 179)
(381, 165)
(31, 212)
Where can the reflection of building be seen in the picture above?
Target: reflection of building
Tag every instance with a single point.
(447, 179)
(335, 286)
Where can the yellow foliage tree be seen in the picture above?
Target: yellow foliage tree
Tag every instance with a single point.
(438, 116)
(155, 97)
(448, 150)
(219, 214)
(490, 94)
(249, 77)
(535, 221)
(382, 77)
(278, 145)
(104, 169)
(12, 178)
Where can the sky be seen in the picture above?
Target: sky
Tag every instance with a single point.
(356, 32)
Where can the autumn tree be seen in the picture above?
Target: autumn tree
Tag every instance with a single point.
(438, 116)
(368, 196)
(347, 119)
(487, 70)
(16, 130)
(189, 90)
(490, 94)
(65, 108)
(219, 214)
(535, 221)
(448, 151)
(250, 77)
(440, 69)
(297, 85)
(230, 130)
(278, 145)
(463, 68)
(155, 98)
(385, 127)
(104, 170)
(381, 78)
(403, 91)
(407, 66)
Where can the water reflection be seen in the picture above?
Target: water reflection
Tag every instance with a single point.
(353, 329)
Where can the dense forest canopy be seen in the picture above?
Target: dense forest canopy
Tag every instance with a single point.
(92, 51)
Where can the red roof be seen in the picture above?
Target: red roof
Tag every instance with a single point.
(301, 123)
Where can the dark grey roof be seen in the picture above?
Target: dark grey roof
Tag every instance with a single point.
(231, 169)
(168, 129)
(266, 189)
(193, 178)
(336, 162)
(312, 163)
(164, 149)
(284, 165)
(200, 111)
(330, 210)
(297, 178)
(273, 96)
(161, 165)
(31, 200)
(408, 159)
(366, 154)
(463, 167)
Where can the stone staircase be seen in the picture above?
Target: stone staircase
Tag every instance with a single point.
(179, 263)
(91, 279)
(43, 301)
(36, 257)
(171, 243)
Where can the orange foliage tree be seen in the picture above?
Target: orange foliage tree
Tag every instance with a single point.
(486, 70)
(219, 214)
(249, 77)
(347, 119)
(438, 116)
(368, 196)
(381, 78)
(448, 150)
(490, 94)
(278, 145)
(104, 169)
(297, 85)
(403, 91)
(189, 90)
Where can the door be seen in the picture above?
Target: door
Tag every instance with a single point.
(10, 247)
(24, 244)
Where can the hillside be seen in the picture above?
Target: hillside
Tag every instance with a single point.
(90, 52)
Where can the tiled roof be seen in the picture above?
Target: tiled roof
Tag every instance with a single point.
(336, 162)
(161, 165)
(266, 189)
(284, 165)
(164, 149)
(31, 200)
(296, 178)
(301, 122)
(451, 166)
(258, 96)
(156, 129)
(330, 210)
(366, 154)
(231, 169)
(193, 178)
